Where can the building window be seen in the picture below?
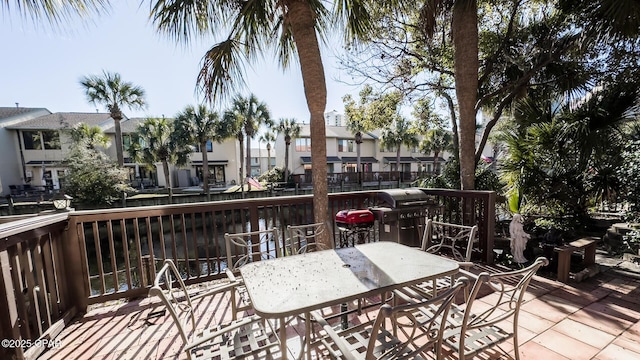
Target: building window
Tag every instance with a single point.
(209, 146)
(389, 148)
(303, 144)
(51, 140)
(345, 145)
(255, 161)
(31, 140)
(126, 141)
(38, 140)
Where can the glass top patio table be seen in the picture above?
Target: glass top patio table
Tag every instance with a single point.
(298, 284)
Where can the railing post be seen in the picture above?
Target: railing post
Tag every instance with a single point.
(490, 221)
(75, 265)
(9, 320)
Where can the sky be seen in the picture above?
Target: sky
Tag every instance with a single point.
(41, 67)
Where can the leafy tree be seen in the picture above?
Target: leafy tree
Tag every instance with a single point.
(92, 178)
(156, 141)
(111, 91)
(289, 26)
(268, 138)
(200, 125)
(290, 130)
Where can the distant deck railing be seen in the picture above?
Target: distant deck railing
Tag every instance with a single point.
(55, 266)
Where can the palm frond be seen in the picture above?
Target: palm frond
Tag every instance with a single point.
(222, 69)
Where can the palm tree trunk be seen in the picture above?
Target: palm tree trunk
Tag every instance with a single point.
(268, 157)
(398, 161)
(248, 162)
(358, 162)
(167, 180)
(205, 170)
(302, 18)
(464, 27)
(119, 149)
(241, 170)
(436, 161)
(286, 161)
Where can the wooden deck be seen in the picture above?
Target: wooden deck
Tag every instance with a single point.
(598, 318)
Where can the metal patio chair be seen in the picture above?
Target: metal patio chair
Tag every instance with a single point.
(470, 332)
(407, 331)
(251, 337)
(304, 238)
(243, 248)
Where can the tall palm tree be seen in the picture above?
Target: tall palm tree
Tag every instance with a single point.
(200, 125)
(437, 140)
(398, 134)
(251, 113)
(464, 32)
(156, 141)
(111, 91)
(291, 26)
(268, 138)
(289, 129)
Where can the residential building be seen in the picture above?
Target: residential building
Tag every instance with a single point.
(223, 159)
(11, 171)
(42, 144)
(334, 118)
(262, 161)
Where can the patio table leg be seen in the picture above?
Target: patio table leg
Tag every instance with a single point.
(283, 338)
(307, 335)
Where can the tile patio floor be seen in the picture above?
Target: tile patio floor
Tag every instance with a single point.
(598, 318)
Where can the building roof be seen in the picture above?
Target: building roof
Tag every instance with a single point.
(7, 112)
(330, 159)
(363, 159)
(63, 120)
(126, 125)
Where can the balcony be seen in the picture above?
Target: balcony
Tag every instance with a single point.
(80, 280)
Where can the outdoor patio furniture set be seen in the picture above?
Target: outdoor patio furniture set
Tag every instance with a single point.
(414, 289)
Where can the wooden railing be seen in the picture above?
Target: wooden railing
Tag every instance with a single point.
(114, 253)
(35, 299)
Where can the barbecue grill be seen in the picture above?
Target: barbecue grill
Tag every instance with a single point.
(401, 215)
(354, 226)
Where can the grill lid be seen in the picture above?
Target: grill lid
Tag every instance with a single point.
(397, 198)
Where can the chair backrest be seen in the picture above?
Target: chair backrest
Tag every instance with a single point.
(170, 288)
(304, 238)
(418, 325)
(437, 234)
(508, 291)
(243, 248)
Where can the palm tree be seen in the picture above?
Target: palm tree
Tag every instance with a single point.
(356, 127)
(437, 140)
(289, 129)
(111, 91)
(156, 141)
(251, 113)
(268, 138)
(199, 125)
(398, 134)
(291, 27)
(88, 136)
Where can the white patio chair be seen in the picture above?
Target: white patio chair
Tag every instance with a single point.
(304, 238)
(407, 331)
(250, 337)
(470, 332)
(243, 248)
